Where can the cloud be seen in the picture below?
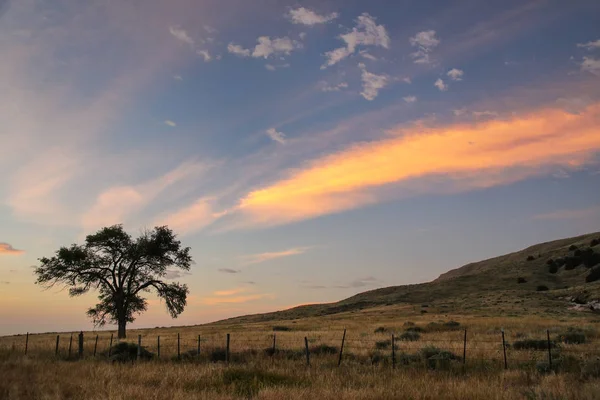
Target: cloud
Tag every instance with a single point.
(325, 87)
(305, 16)
(459, 112)
(365, 33)
(483, 114)
(238, 50)
(229, 292)
(272, 67)
(591, 65)
(176, 274)
(6, 248)
(590, 45)
(359, 283)
(425, 42)
(276, 46)
(574, 105)
(410, 99)
(368, 56)
(182, 35)
(278, 137)
(4, 283)
(177, 77)
(441, 85)
(372, 83)
(192, 218)
(216, 300)
(407, 80)
(229, 271)
(262, 257)
(428, 159)
(205, 55)
(455, 74)
(570, 214)
(170, 123)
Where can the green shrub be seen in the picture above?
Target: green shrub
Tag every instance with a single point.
(594, 275)
(530, 258)
(408, 323)
(218, 354)
(572, 336)
(541, 288)
(594, 242)
(572, 262)
(452, 324)
(377, 357)
(591, 369)
(247, 383)
(435, 358)
(414, 329)
(532, 344)
(410, 336)
(521, 280)
(573, 247)
(281, 328)
(323, 349)
(125, 351)
(406, 359)
(589, 258)
(381, 329)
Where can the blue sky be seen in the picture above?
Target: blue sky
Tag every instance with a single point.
(306, 151)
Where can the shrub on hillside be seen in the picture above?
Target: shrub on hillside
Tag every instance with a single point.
(594, 275)
(553, 268)
(383, 344)
(410, 336)
(589, 258)
(530, 258)
(247, 383)
(573, 247)
(542, 288)
(281, 328)
(414, 329)
(520, 279)
(381, 329)
(436, 358)
(591, 369)
(125, 351)
(408, 323)
(571, 262)
(532, 344)
(594, 242)
(323, 349)
(572, 336)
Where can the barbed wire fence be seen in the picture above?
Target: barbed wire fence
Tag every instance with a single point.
(334, 348)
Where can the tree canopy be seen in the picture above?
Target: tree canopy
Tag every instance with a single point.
(121, 269)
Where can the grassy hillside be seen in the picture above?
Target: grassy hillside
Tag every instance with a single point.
(511, 284)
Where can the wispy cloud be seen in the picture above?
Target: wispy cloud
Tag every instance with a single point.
(232, 297)
(176, 274)
(274, 67)
(229, 270)
(181, 35)
(365, 33)
(205, 54)
(276, 136)
(229, 292)
(325, 87)
(170, 123)
(455, 74)
(441, 85)
(4, 283)
(359, 283)
(6, 248)
(194, 217)
(462, 155)
(372, 83)
(424, 42)
(276, 46)
(590, 45)
(262, 257)
(177, 77)
(305, 16)
(591, 65)
(410, 99)
(570, 214)
(238, 50)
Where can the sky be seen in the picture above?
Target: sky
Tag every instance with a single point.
(306, 151)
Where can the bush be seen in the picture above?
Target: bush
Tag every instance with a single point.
(521, 280)
(573, 247)
(532, 344)
(553, 268)
(436, 358)
(323, 349)
(594, 242)
(381, 329)
(415, 329)
(247, 383)
(125, 351)
(377, 358)
(530, 258)
(541, 288)
(591, 369)
(383, 344)
(572, 336)
(594, 275)
(410, 336)
(452, 324)
(550, 262)
(572, 262)
(408, 323)
(281, 328)
(589, 258)
(218, 354)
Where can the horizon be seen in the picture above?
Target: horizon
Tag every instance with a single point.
(305, 151)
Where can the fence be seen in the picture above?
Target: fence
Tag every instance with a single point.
(332, 348)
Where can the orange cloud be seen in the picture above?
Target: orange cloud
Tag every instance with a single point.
(262, 257)
(6, 248)
(229, 292)
(235, 300)
(485, 153)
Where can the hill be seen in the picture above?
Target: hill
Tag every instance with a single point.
(546, 278)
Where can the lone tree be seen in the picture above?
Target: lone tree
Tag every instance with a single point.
(120, 268)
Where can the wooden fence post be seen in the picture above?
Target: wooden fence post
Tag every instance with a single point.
(158, 346)
(198, 351)
(70, 345)
(96, 346)
(342, 348)
(504, 350)
(227, 349)
(178, 347)
(393, 352)
(274, 348)
(56, 348)
(110, 345)
(549, 349)
(80, 347)
(465, 348)
(307, 352)
(26, 342)
(139, 347)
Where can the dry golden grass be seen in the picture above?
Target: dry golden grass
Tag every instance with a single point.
(252, 373)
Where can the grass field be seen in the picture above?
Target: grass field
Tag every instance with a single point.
(365, 373)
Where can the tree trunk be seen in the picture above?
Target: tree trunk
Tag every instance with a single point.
(122, 334)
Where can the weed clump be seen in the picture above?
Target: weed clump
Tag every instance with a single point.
(281, 328)
(533, 344)
(541, 288)
(520, 279)
(410, 336)
(247, 383)
(530, 258)
(572, 336)
(381, 329)
(594, 275)
(125, 351)
(323, 349)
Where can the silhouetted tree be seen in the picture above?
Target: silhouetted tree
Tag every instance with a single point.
(120, 268)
